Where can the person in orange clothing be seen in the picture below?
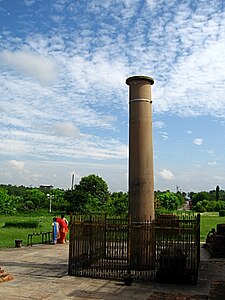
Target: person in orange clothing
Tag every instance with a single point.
(63, 230)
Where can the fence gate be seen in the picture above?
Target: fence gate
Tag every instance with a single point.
(102, 247)
(177, 248)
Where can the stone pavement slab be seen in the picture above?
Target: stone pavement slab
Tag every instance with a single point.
(40, 272)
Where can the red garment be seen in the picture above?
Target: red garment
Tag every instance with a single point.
(63, 230)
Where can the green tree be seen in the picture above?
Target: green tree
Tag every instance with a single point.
(181, 197)
(168, 200)
(7, 203)
(118, 203)
(75, 200)
(29, 205)
(14, 190)
(37, 197)
(58, 201)
(217, 193)
(90, 195)
(200, 197)
(95, 186)
(222, 195)
(94, 205)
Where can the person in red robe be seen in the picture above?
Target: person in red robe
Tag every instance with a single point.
(63, 230)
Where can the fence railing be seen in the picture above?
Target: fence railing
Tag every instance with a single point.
(103, 247)
(177, 248)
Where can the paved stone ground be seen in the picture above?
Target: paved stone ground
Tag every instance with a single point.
(40, 272)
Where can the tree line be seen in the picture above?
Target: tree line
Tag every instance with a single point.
(92, 195)
(203, 201)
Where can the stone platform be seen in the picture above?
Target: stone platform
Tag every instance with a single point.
(40, 272)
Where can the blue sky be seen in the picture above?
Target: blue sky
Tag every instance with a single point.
(64, 101)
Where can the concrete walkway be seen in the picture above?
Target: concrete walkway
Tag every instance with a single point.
(40, 272)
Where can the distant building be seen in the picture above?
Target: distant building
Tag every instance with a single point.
(46, 187)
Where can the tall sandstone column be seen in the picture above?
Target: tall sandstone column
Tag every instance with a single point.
(141, 176)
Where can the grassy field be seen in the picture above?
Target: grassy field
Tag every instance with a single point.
(9, 235)
(209, 220)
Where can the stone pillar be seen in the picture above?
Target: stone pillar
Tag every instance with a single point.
(141, 177)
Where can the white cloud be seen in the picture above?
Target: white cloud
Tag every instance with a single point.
(189, 132)
(11, 147)
(164, 135)
(191, 64)
(29, 2)
(66, 129)
(197, 141)
(100, 71)
(166, 174)
(17, 165)
(159, 124)
(41, 68)
(212, 163)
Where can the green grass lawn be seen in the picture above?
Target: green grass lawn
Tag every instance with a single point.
(9, 235)
(208, 221)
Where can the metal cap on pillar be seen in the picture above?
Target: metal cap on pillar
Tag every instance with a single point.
(141, 177)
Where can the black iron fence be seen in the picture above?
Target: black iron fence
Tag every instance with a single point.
(177, 248)
(167, 249)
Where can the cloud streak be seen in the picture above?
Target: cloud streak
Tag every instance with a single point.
(41, 68)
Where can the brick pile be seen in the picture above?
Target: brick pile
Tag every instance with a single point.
(4, 276)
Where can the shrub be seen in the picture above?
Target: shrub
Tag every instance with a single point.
(22, 224)
(199, 207)
(222, 213)
(206, 205)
